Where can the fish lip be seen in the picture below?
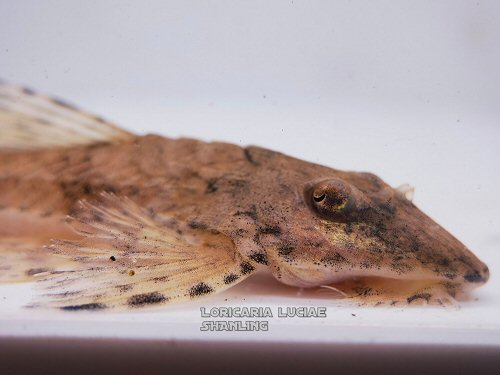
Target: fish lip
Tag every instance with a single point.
(470, 280)
(341, 277)
(457, 287)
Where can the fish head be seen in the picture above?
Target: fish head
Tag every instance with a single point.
(351, 228)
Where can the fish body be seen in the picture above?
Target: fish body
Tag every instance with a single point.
(103, 218)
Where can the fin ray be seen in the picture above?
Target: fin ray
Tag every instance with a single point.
(29, 120)
(22, 261)
(131, 258)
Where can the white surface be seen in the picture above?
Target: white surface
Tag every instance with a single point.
(473, 323)
(407, 90)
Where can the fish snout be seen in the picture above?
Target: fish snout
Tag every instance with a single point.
(455, 262)
(437, 253)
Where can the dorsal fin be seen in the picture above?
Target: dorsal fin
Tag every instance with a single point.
(29, 120)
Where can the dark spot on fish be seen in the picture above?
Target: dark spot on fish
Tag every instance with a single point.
(314, 243)
(363, 291)
(151, 212)
(74, 189)
(449, 275)
(259, 258)
(28, 91)
(474, 277)
(131, 191)
(445, 262)
(159, 279)
(96, 145)
(277, 272)
(125, 287)
(43, 122)
(200, 289)
(387, 209)
(212, 186)
(426, 296)
(230, 278)
(195, 224)
(146, 299)
(348, 228)
(97, 216)
(85, 306)
(464, 259)
(285, 249)
(35, 271)
(401, 267)
(246, 268)
(275, 230)
(112, 257)
(365, 264)
(252, 212)
(240, 232)
(67, 294)
(99, 119)
(377, 230)
(64, 104)
(86, 158)
(47, 213)
(334, 259)
(237, 183)
(249, 157)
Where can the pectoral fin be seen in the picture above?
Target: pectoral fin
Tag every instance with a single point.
(131, 258)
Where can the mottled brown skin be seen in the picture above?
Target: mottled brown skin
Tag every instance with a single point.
(311, 225)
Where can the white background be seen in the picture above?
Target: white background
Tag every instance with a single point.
(407, 90)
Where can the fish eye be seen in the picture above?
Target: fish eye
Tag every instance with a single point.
(319, 198)
(331, 198)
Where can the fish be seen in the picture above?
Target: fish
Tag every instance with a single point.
(101, 218)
